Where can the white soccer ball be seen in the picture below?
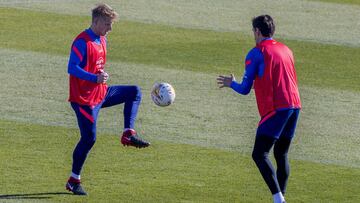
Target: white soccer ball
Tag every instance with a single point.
(163, 94)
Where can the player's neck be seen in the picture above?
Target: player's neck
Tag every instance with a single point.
(259, 39)
(94, 30)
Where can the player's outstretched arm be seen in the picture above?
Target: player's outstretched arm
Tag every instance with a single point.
(229, 81)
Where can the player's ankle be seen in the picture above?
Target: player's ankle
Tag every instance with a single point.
(278, 198)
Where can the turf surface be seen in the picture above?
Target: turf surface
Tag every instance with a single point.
(190, 161)
(39, 158)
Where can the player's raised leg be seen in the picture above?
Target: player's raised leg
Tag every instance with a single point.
(131, 96)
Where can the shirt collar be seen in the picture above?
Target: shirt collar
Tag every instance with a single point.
(267, 38)
(92, 34)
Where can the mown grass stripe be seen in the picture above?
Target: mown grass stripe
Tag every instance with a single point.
(202, 114)
(325, 66)
(164, 172)
(297, 19)
(354, 2)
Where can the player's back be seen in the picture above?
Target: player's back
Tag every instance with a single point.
(277, 88)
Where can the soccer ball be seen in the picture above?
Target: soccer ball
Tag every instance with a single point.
(163, 94)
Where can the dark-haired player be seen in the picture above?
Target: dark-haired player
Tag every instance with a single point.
(270, 66)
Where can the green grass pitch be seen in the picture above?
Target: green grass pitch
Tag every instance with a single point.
(201, 145)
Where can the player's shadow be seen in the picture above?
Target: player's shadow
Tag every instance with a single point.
(42, 195)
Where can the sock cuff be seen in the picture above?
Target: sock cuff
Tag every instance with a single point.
(75, 176)
(278, 197)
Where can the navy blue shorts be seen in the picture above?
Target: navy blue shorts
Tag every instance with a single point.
(280, 123)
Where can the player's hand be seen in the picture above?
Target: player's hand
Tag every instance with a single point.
(102, 77)
(225, 81)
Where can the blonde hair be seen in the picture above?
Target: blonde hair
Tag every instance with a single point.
(104, 11)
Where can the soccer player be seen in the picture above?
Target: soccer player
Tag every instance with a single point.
(270, 65)
(89, 91)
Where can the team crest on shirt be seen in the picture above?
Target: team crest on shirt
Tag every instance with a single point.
(100, 63)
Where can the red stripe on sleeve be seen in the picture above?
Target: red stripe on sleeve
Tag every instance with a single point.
(77, 52)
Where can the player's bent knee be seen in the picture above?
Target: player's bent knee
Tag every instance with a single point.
(138, 93)
(280, 156)
(88, 141)
(257, 156)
